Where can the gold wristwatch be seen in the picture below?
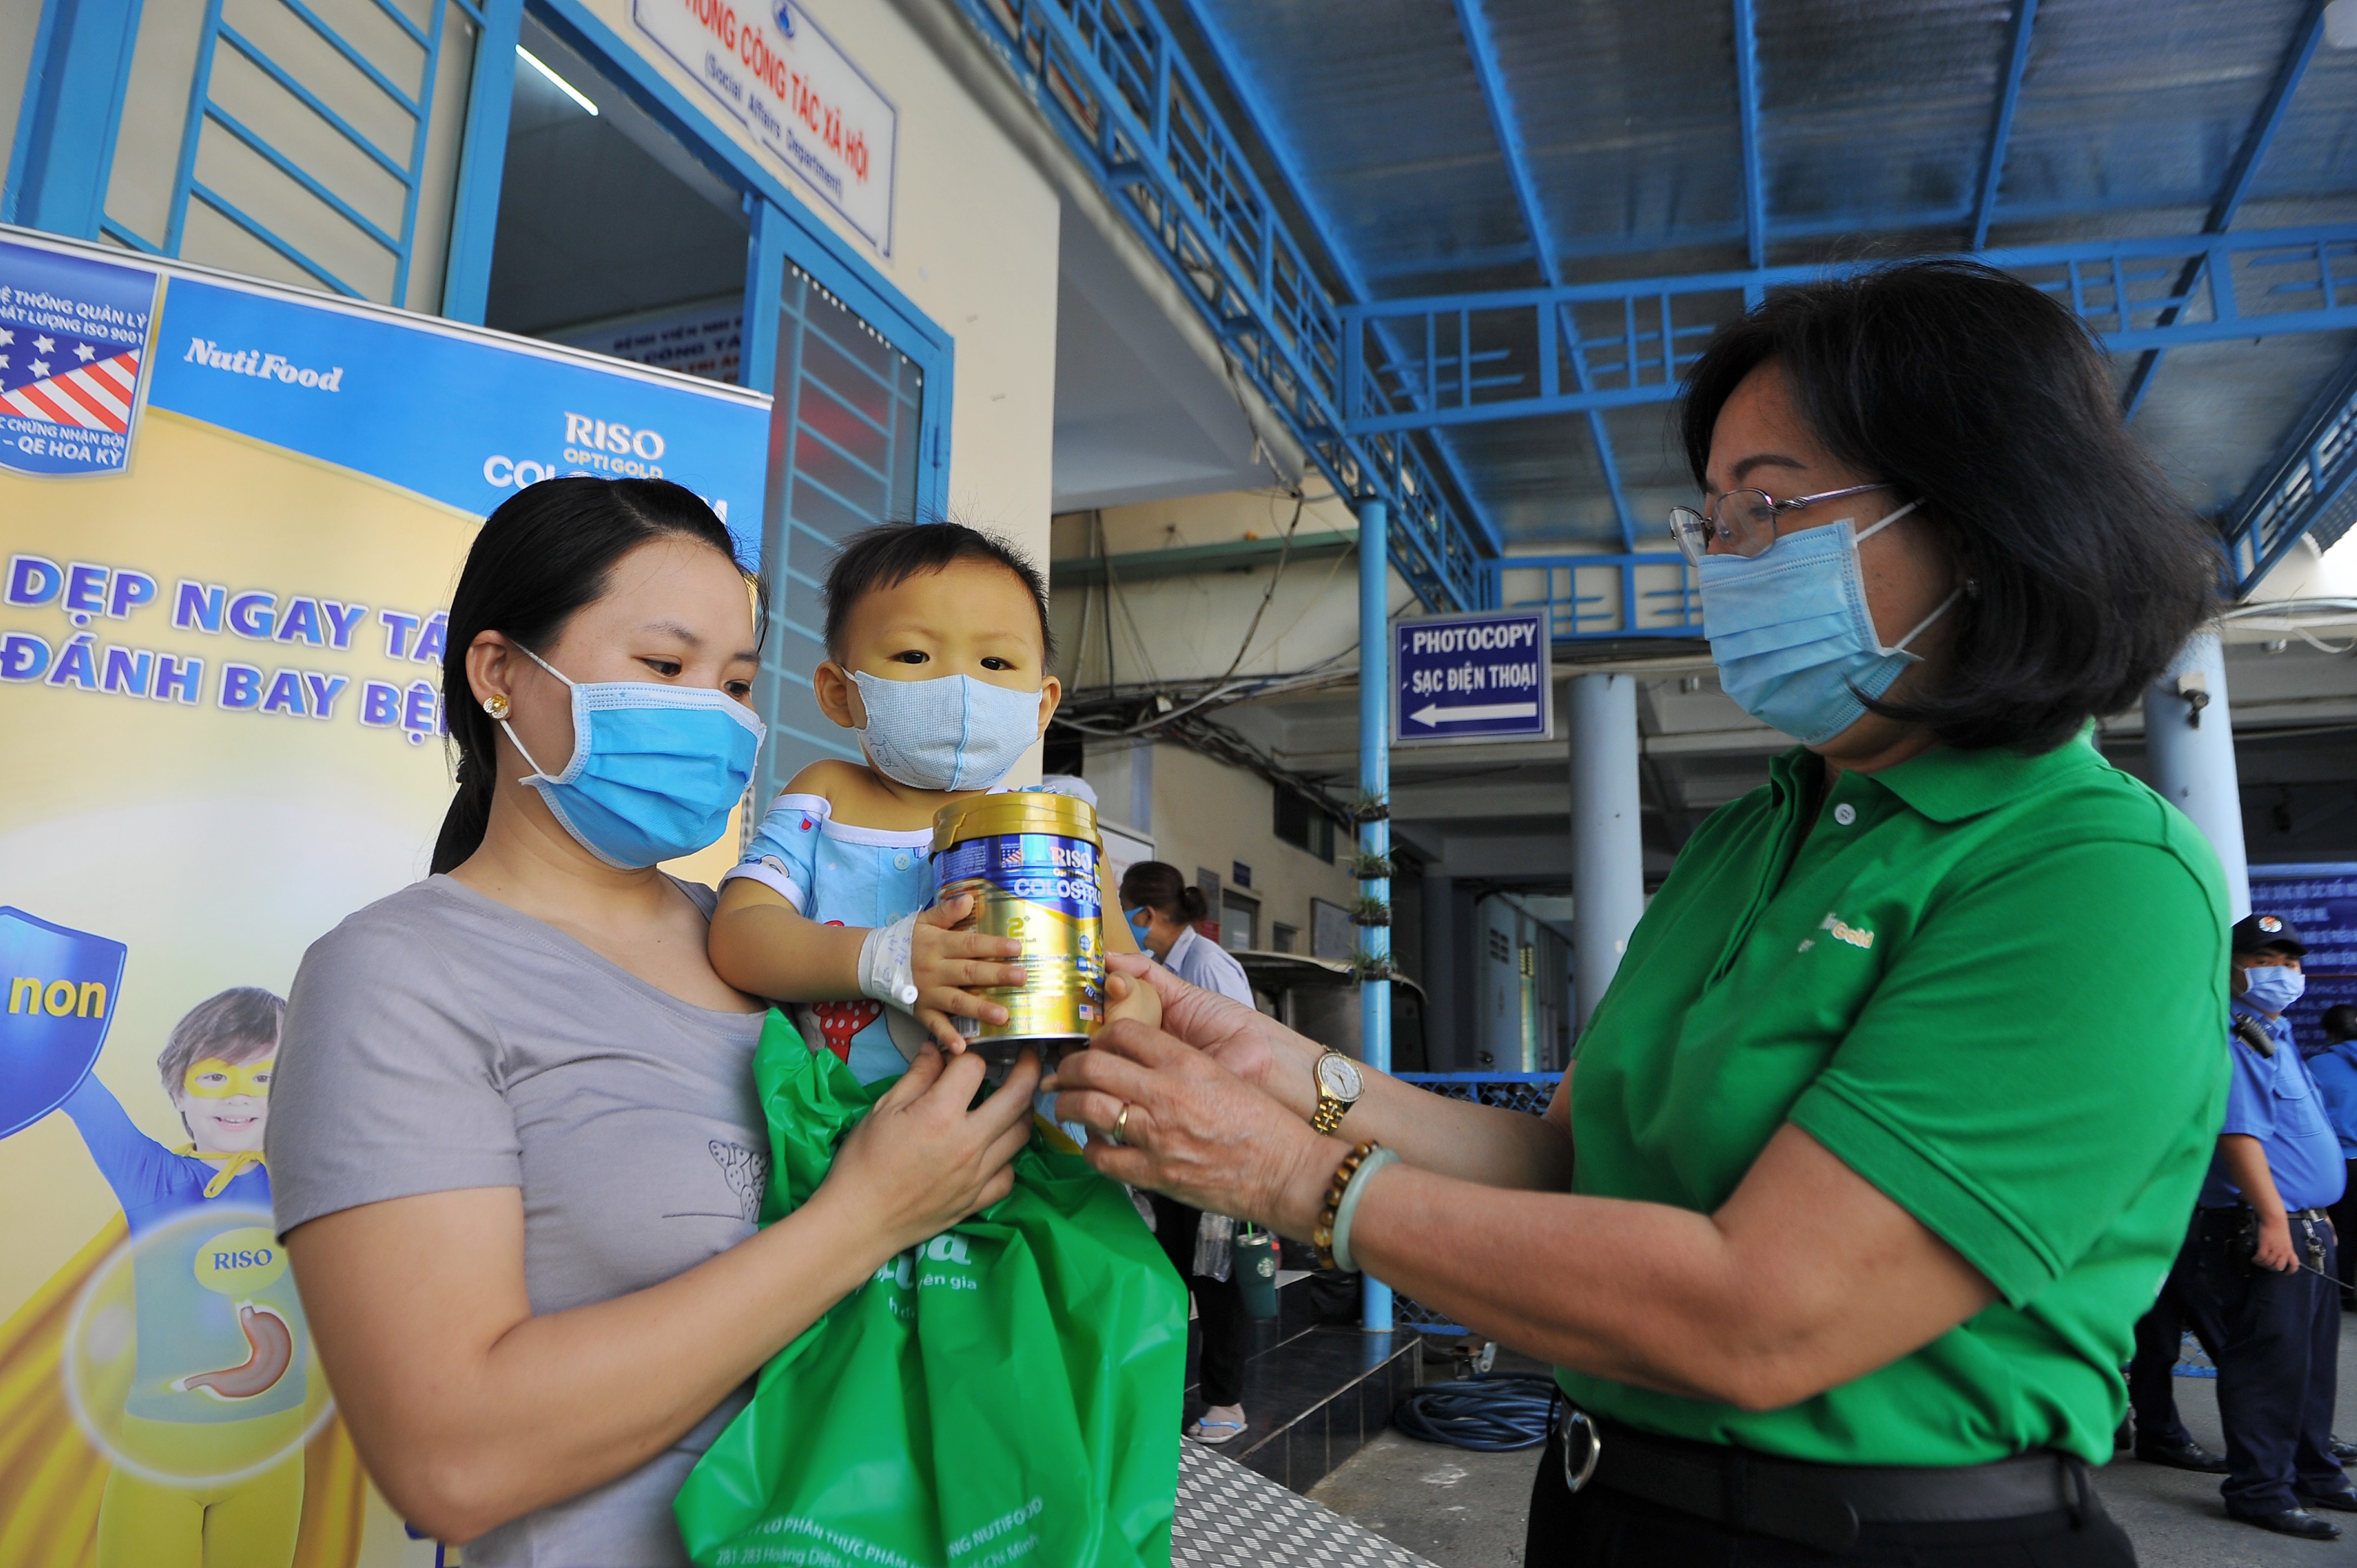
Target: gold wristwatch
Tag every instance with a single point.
(1338, 1088)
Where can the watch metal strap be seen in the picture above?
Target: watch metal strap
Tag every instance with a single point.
(1329, 1111)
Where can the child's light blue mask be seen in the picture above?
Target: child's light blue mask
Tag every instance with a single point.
(1791, 634)
(951, 732)
(655, 769)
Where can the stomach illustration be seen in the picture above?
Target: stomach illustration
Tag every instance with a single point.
(270, 1350)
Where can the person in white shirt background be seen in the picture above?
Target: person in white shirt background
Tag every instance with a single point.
(1162, 908)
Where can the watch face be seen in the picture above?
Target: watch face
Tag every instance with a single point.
(1338, 1075)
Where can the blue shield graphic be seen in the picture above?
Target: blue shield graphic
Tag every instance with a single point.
(73, 350)
(63, 987)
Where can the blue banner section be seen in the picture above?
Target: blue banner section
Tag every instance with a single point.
(2321, 901)
(73, 330)
(1477, 677)
(447, 415)
(63, 986)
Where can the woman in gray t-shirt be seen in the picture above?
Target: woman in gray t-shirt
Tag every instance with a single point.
(513, 1143)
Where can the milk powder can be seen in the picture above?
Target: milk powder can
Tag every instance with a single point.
(1031, 861)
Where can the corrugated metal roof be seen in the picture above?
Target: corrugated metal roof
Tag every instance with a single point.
(1875, 121)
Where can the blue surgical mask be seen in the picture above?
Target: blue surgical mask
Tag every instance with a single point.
(951, 732)
(655, 769)
(1141, 920)
(2273, 987)
(1791, 634)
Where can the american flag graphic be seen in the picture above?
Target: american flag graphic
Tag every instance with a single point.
(62, 380)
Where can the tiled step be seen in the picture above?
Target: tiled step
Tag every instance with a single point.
(1314, 1393)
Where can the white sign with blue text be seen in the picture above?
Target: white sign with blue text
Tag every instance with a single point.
(1486, 676)
(804, 99)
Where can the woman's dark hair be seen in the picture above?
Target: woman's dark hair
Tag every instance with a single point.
(2340, 1022)
(236, 1026)
(1156, 885)
(547, 552)
(888, 555)
(1986, 399)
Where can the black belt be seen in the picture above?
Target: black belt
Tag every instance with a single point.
(1816, 1505)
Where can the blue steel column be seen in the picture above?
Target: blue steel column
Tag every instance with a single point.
(1375, 837)
(64, 150)
(1608, 853)
(482, 164)
(765, 283)
(2194, 762)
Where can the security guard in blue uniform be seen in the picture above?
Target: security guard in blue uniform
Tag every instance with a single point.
(2255, 1280)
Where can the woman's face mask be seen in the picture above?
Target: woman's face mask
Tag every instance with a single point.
(655, 769)
(1141, 920)
(1792, 636)
(950, 733)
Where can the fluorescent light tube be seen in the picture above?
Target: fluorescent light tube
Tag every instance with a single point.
(561, 85)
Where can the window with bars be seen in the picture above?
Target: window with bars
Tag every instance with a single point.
(844, 448)
(313, 142)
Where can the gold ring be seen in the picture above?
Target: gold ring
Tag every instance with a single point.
(1120, 1123)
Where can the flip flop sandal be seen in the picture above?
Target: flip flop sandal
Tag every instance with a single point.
(1212, 1433)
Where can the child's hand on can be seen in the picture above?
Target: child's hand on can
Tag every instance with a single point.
(944, 963)
(1127, 998)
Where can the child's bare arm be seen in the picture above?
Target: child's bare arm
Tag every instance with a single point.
(761, 944)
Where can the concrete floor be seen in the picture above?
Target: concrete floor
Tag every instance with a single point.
(1463, 1510)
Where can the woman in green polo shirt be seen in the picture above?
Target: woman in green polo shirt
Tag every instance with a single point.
(1839, 1226)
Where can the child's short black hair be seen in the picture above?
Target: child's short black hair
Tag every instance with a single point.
(889, 555)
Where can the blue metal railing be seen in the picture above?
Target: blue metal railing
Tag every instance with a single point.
(1639, 336)
(1601, 595)
(1528, 1091)
(404, 165)
(2310, 486)
(1107, 77)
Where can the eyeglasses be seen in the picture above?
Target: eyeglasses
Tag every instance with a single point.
(1742, 522)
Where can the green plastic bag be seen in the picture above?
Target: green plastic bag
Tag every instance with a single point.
(1007, 1393)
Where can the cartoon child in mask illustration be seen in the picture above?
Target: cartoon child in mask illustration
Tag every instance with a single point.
(219, 1364)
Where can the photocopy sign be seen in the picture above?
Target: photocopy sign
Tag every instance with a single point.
(1475, 677)
(801, 99)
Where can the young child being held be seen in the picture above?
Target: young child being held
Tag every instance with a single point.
(937, 657)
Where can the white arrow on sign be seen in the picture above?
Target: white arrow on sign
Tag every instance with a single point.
(1432, 714)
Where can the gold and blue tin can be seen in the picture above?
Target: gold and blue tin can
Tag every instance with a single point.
(1031, 861)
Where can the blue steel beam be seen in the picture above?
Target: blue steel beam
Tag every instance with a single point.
(1258, 123)
(1483, 47)
(1747, 107)
(2311, 482)
(1107, 78)
(2239, 175)
(2246, 285)
(2024, 16)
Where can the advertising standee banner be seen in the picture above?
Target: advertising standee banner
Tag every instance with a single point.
(228, 537)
